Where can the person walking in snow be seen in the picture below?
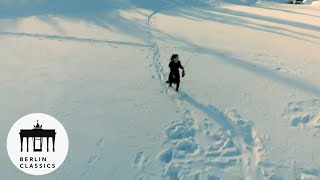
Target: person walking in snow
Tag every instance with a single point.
(174, 76)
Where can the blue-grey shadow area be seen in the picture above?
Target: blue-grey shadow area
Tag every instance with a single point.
(244, 130)
(209, 110)
(18, 8)
(111, 20)
(74, 39)
(102, 13)
(241, 19)
(288, 11)
(270, 19)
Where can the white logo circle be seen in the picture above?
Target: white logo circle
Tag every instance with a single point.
(37, 144)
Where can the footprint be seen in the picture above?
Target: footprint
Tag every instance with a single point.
(139, 163)
(140, 160)
(95, 157)
(186, 145)
(303, 113)
(180, 130)
(166, 156)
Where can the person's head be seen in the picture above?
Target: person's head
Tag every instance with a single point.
(175, 57)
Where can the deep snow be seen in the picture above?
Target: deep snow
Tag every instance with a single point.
(248, 107)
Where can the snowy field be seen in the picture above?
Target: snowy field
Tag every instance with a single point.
(248, 107)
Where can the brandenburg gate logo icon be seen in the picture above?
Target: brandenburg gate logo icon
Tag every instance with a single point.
(37, 134)
(43, 145)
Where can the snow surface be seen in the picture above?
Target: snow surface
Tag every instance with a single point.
(316, 4)
(248, 108)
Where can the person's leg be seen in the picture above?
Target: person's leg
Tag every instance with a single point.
(170, 79)
(177, 83)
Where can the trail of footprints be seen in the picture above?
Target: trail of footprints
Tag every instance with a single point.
(205, 150)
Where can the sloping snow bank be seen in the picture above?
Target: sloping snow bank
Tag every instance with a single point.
(316, 3)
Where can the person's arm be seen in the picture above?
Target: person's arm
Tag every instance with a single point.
(180, 65)
(183, 73)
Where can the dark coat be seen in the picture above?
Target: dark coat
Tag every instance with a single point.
(174, 76)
